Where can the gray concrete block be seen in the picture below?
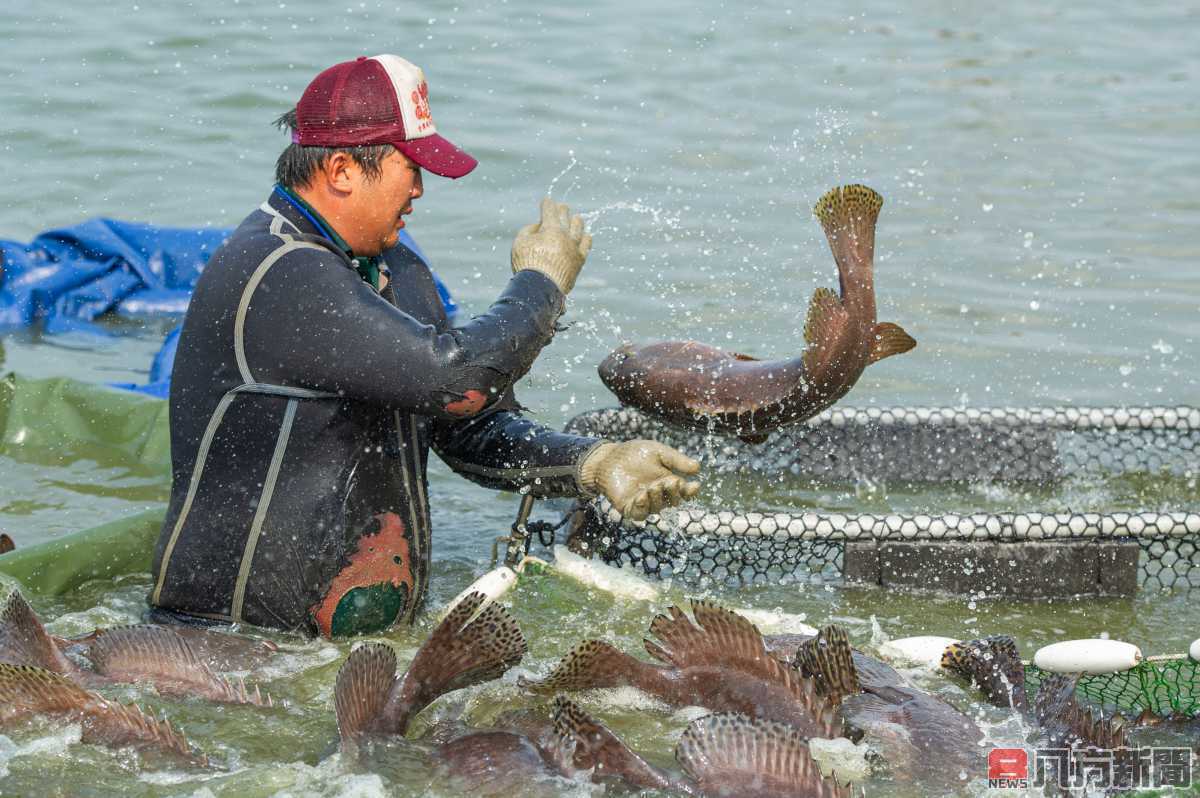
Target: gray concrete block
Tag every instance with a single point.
(1047, 569)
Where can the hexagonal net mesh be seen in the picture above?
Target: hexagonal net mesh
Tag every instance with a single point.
(928, 446)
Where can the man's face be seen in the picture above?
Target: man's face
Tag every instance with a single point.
(380, 203)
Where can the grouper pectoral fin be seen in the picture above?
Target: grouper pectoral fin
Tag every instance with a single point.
(24, 641)
(890, 339)
(730, 754)
(590, 745)
(363, 684)
(30, 690)
(470, 646)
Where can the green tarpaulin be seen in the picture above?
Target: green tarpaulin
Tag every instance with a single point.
(52, 422)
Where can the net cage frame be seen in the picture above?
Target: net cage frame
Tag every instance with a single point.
(1040, 446)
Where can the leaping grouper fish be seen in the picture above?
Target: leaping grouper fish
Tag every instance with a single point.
(719, 662)
(694, 385)
(171, 659)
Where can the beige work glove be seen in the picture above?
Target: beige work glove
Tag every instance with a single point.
(639, 477)
(556, 246)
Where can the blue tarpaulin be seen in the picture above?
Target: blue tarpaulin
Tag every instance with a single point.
(65, 279)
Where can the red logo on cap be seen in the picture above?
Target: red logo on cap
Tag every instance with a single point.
(1008, 763)
(420, 98)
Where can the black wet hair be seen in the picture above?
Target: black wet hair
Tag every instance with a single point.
(297, 165)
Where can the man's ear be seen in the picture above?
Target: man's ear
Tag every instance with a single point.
(340, 173)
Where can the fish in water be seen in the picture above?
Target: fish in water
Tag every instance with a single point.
(719, 662)
(994, 666)
(6, 543)
(473, 644)
(26, 691)
(725, 755)
(694, 385)
(165, 657)
(728, 756)
(923, 738)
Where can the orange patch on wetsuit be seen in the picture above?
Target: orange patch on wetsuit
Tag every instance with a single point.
(471, 403)
(373, 590)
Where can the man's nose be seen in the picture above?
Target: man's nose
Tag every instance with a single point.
(418, 186)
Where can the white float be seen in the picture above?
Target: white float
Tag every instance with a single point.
(494, 584)
(621, 582)
(1194, 651)
(1090, 657)
(776, 621)
(924, 651)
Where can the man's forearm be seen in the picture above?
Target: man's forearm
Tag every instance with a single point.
(504, 450)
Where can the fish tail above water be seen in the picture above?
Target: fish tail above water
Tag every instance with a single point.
(732, 754)
(472, 645)
(848, 215)
(27, 690)
(587, 744)
(6, 543)
(160, 656)
(363, 685)
(1068, 724)
(829, 661)
(992, 664)
(24, 641)
(592, 664)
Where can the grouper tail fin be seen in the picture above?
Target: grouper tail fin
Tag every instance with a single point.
(829, 661)
(993, 665)
(591, 664)
(472, 645)
(848, 215)
(23, 639)
(589, 745)
(758, 757)
(27, 690)
(363, 685)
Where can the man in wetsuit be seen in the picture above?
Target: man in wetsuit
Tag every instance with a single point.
(317, 367)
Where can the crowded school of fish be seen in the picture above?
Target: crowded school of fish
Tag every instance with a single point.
(774, 700)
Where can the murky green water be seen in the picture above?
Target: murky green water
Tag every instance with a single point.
(1038, 240)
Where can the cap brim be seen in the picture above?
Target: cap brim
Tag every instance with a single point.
(437, 155)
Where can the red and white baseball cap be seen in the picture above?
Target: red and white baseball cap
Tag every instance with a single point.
(379, 100)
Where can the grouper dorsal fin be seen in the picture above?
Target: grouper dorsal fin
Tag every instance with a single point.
(890, 339)
(729, 754)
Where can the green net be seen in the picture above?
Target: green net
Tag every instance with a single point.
(1167, 686)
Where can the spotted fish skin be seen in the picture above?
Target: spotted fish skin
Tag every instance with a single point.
(699, 386)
